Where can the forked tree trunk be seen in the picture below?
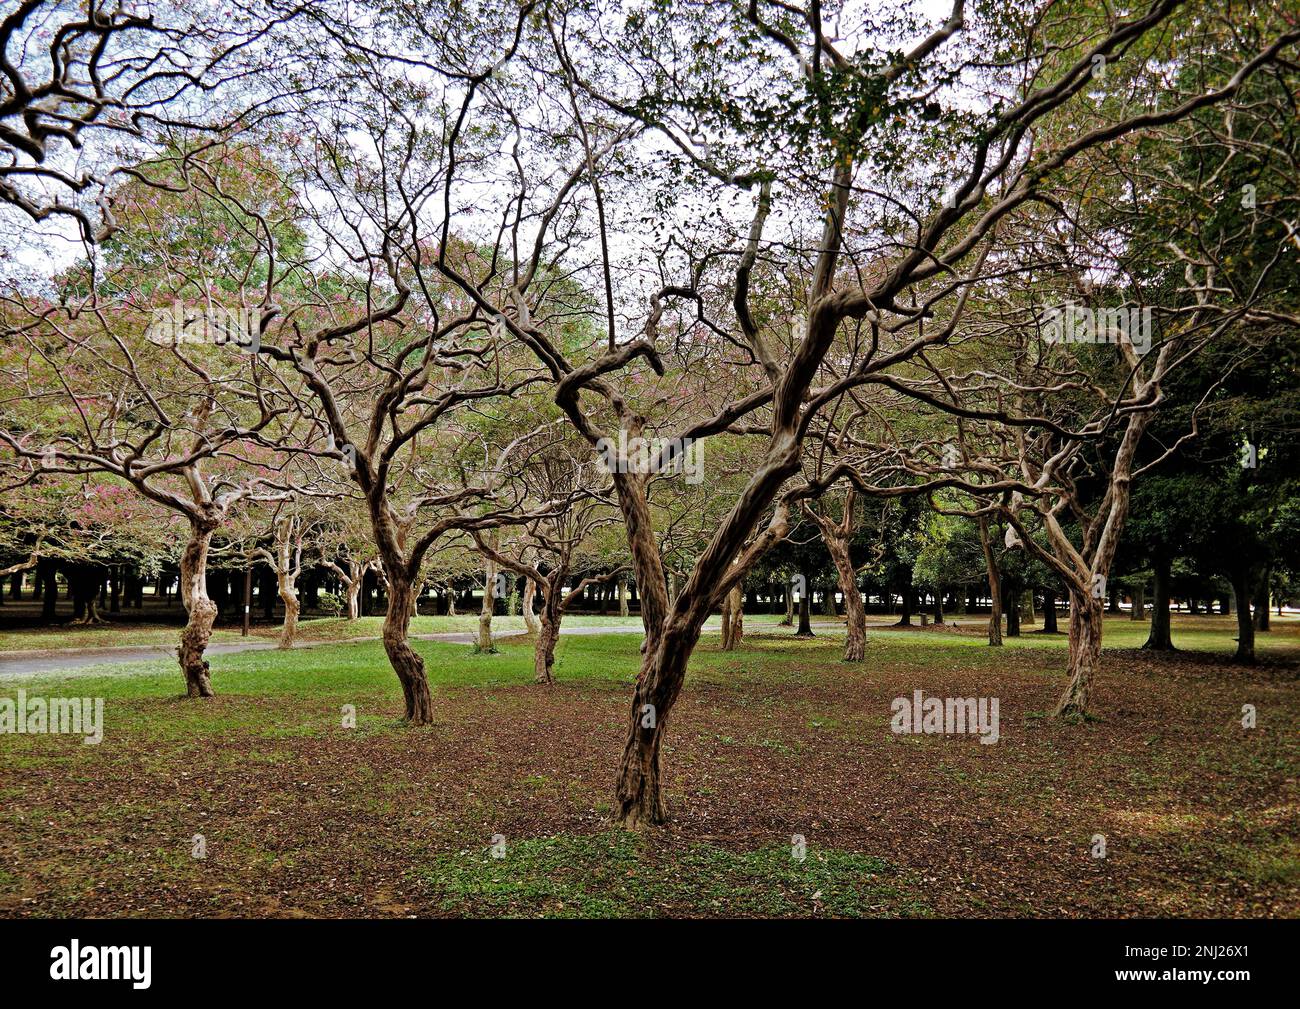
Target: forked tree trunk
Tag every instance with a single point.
(1085, 650)
(1158, 638)
(354, 596)
(202, 610)
(406, 662)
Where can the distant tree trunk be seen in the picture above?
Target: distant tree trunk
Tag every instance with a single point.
(733, 619)
(484, 644)
(1158, 638)
(1139, 608)
(938, 605)
(1049, 612)
(805, 625)
(202, 610)
(789, 607)
(50, 590)
(354, 595)
(1241, 587)
(995, 584)
(1027, 607)
(622, 596)
(1085, 650)
(1112, 606)
(1012, 595)
(1261, 598)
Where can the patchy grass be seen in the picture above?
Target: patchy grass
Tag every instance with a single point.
(301, 816)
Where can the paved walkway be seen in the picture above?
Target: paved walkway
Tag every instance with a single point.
(15, 665)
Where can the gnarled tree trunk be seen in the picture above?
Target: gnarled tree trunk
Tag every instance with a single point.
(547, 635)
(855, 645)
(1085, 650)
(202, 610)
(406, 662)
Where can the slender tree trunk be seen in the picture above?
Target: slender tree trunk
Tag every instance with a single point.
(622, 596)
(202, 610)
(1158, 638)
(789, 607)
(995, 585)
(530, 617)
(1245, 624)
(805, 625)
(289, 596)
(1085, 650)
(484, 644)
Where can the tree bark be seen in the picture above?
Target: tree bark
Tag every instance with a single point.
(547, 635)
(1158, 638)
(855, 645)
(1261, 598)
(805, 625)
(406, 662)
(1049, 612)
(1139, 608)
(1085, 650)
(1245, 624)
(202, 610)
(995, 584)
(530, 617)
(484, 644)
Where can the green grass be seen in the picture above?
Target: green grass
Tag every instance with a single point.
(617, 875)
(149, 635)
(768, 715)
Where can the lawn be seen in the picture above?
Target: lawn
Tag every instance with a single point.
(502, 806)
